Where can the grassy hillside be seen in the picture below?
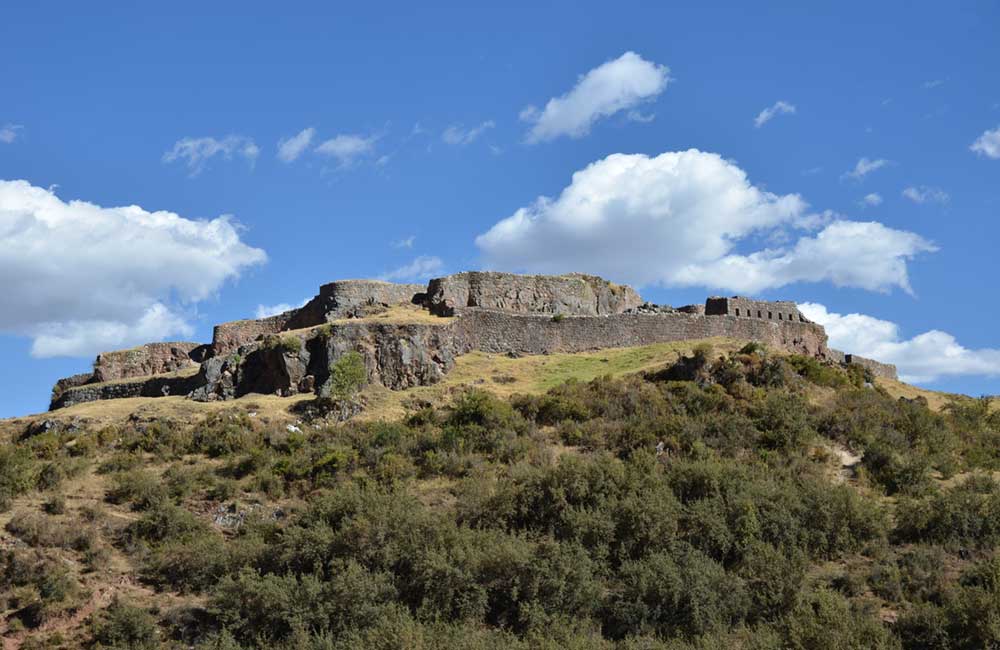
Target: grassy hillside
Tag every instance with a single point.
(647, 498)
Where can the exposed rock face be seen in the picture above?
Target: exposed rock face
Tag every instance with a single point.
(492, 312)
(575, 294)
(351, 298)
(396, 356)
(145, 360)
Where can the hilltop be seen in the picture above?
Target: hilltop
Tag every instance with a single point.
(592, 472)
(412, 335)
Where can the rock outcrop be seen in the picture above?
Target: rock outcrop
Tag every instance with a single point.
(430, 327)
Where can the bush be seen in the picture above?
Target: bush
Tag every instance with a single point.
(348, 375)
(17, 473)
(123, 626)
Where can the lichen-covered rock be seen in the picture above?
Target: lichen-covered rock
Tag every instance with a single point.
(144, 361)
(397, 356)
(572, 294)
(351, 299)
(272, 370)
(228, 337)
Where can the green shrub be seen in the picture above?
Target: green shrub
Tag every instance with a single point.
(124, 626)
(348, 375)
(18, 472)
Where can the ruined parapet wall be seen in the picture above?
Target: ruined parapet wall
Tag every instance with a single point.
(227, 337)
(575, 294)
(876, 368)
(497, 331)
(349, 298)
(740, 307)
(145, 360)
(342, 299)
(64, 384)
(134, 387)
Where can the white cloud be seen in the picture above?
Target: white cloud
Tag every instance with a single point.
(456, 134)
(406, 242)
(80, 278)
(933, 83)
(614, 86)
(864, 167)
(421, 268)
(346, 149)
(263, 311)
(289, 149)
(768, 114)
(196, 152)
(924, 194)
(10, 132)
(677, 218)
(872, 199)
(988, 144)
(923, 358)
(80, 338)
(637, 116)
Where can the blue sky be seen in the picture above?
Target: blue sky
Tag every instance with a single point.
(847, 157)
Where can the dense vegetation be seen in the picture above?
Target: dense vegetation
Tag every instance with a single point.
(702, 506)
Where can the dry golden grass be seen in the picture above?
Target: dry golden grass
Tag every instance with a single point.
(506, 376)
(497, 373)
(935, 400)
(401, 315)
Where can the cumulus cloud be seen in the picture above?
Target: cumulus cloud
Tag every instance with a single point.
(196, 152)
(10, 132)
(924, 194)
(923, 358)
(988, 144)
(263, 311)
(80, 278)
(456, 134)
(864, 167)
(768, 114)
(289, 149)
(618, 85)
(79, 338)
(346, 149)
(421, 268)
(406, 242)
(933, 83)
(676, 219)
(872, 199)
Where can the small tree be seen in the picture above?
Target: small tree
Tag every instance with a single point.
(347, 376)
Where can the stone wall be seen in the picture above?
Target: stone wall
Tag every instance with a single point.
(143, 361)
(781, 310)
(227, 337)
(497, 331)
(876, 368)
(145, 387)
(495, 312)
(553, 294)
(347, 298)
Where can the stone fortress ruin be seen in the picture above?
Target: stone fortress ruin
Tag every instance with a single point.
(410, 335)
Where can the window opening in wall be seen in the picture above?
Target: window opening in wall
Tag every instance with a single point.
(737, 311)
(770, 315)
(759, 315)
(780, 316)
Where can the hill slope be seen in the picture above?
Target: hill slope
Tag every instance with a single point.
(714, 499)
